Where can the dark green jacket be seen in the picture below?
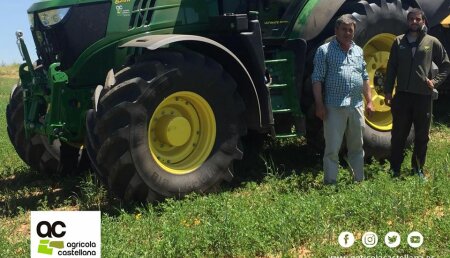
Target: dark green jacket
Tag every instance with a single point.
(411, 72)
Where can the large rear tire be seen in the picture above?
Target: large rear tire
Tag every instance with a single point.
(377, 26)
(166, 126)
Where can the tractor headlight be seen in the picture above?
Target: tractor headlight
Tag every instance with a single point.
(31, 19)
(52, 17)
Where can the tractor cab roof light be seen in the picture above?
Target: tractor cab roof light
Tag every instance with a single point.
(52, 17)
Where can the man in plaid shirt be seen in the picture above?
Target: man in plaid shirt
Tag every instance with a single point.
(339, 81)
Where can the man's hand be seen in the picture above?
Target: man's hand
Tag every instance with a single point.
(430, 84)
(388, 99)
(369, 109)
(321, 111)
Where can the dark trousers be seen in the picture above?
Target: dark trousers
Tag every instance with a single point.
(410, 109)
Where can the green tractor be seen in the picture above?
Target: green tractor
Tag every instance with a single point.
(159, 93)
(443, 34)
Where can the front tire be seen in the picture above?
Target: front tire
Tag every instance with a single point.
(168, 125)
(36, 151)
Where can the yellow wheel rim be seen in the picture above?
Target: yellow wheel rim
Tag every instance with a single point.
(376, 55)
(181, 132)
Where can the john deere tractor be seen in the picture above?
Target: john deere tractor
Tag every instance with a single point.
(159, 93)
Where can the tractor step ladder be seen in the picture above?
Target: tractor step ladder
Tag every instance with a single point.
(280, 90)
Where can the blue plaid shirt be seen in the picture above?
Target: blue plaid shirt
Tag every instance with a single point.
(341, 73)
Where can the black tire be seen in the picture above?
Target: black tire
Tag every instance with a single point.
(372, 18)
(118, 130)
(36, 152)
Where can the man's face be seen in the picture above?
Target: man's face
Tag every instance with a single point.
(415, 22)
(345, 33)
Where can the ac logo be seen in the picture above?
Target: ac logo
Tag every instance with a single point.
(64, 233)
(45, 229)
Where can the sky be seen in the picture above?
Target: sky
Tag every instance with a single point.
(14, 17)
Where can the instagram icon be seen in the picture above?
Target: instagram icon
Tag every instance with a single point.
(370, 239)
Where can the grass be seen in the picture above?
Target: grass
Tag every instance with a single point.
(285, 212)
(9, 71)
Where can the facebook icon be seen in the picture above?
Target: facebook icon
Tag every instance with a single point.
(346, 239)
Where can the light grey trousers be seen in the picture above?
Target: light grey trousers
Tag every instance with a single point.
(340, 121)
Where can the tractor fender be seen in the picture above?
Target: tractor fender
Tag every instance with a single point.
(314, 17)
(317, 14)
(435, 11)
(231, 63)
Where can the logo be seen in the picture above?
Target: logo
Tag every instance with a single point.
(392, 239)
(65, 233)
(119, 9)
(427, 48)
(45, 229)
(46, 246)
(346, 239)
(415, 239)
(370, 239)
(50, 229)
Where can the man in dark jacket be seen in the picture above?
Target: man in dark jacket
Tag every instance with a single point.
(410, 62)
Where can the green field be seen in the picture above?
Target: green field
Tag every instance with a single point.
(283, 212)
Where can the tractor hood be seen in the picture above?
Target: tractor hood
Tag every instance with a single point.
(43, 5)
(435, 11)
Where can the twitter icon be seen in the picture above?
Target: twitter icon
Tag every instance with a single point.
(392, 239)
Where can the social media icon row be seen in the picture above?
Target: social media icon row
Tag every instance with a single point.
(370, 239)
